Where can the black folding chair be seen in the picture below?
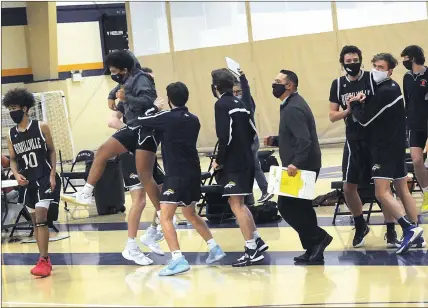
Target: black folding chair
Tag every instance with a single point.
(67, 177)
(367, 195)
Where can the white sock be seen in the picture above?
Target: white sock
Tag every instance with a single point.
(425, 189)
(152, 230)
(131, 243)
(158, 213)
(176, 254)
(251, 244)
(88, 189)
(211, 243)
(256, 234)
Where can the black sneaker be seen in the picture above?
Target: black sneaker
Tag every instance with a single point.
(360, 234)
(304, 257)
(261, 245)
(265, 197)
(392, 240)
(251, 256)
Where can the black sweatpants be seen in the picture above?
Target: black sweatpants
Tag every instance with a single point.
(301, 216)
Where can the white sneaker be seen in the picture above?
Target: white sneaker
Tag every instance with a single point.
(137, 256)
(149, 241)
(84, 199)
(158, 237)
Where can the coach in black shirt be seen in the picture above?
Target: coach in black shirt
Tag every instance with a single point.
(299, 150)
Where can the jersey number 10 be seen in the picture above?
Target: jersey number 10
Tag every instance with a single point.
(31, 160)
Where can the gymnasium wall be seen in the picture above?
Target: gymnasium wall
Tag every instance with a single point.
(279, 37)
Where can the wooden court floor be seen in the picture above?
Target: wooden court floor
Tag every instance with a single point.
(89, 270)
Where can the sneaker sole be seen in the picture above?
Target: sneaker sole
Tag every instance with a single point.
(263, 248)
(131, 259)
(154, 250)
(406, 248)
(216, 259)
(363, 242)
(175, 273)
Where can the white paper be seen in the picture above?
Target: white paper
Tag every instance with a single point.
(302, 186)
(233, 66)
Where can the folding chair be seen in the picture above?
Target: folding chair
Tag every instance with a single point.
(66, 177)
(367, 195)
(207, 176)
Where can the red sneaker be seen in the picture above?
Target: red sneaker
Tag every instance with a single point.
(43, 268)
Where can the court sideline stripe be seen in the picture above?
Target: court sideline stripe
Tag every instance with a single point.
(417, 257)
(267, 306)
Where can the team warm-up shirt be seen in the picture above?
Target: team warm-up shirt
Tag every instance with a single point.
(180, 130)
(235, 133)
(416, 96)
(31, 151)
(342, 89)
(385, 119)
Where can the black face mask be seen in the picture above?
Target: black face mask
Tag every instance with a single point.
(119, 78)
(17, 115)
(352, 69)
(169, 104)
(278, 89)
(213, 90)
(408, 64)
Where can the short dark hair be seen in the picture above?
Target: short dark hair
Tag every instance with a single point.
(350, 49)
(291, 76)
(177, 93)
(147, 70)
(223, 79)
(415, 53)
(388, 58)
(120, 59)
(19, 97)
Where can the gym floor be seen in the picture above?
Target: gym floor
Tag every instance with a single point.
(90, 271)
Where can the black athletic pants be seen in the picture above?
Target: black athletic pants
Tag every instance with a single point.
(301, 216)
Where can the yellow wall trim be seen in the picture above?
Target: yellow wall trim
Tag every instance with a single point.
(16, 72)
(81, 66)
(61, 68)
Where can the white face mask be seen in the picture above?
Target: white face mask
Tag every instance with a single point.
(379, 76)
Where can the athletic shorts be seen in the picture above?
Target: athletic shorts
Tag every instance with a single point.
(130, 175)
(137, 139)
(356, 162)
(418, 138)
(39, 193)
(389, 168)
(236, 183)
(183, 190)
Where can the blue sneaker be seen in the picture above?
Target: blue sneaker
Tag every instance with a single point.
(410, 235)
(216, 254)
(176, 266)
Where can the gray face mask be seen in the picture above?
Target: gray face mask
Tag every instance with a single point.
(239, 96)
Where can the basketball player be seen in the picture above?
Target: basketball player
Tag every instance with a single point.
(182, 186)
(235, 161)
(139, 94)
(242, 91)
(33, 162)
(138, 197)
(384, 117)
(356, 159)
(415, 85)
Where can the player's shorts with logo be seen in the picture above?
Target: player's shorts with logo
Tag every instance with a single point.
(418, 138)
(236, 183)
(357, 162)
(183, 190)
(388, 166)
(137, 138)
(39, 193)
(130, 175)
